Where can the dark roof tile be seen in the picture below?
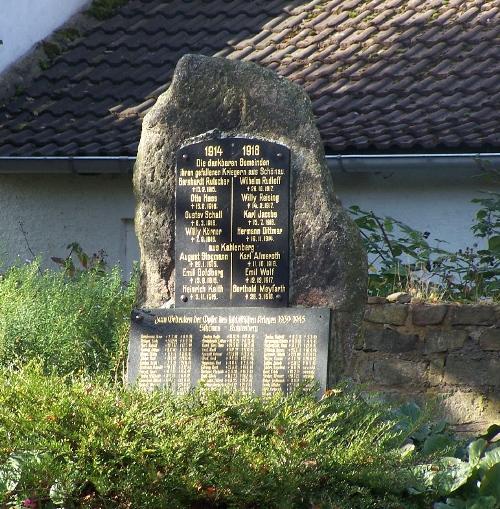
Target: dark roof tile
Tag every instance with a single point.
(382, 74)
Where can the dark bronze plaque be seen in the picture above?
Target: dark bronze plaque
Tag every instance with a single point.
(252, 350)
(231, 223)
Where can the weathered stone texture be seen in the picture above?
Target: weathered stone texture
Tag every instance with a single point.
(396, 372)
(463, 407)
(428, 314)
(436, 370)
(490, 339)
(472, 315)
(395, 314)
(327, 260)
(462, 370)
(493, 373)
(362, 368)
(375, 299)
(389, 340)
(444, 341)
(460, 361)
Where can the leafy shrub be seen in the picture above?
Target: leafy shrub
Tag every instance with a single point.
(76, 442)
(404, 258)
(424, 435)
(72, 323)
(470, 482)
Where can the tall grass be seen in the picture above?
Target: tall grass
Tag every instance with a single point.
(72, 324)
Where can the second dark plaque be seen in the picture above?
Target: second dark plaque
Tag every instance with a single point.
(232, 222)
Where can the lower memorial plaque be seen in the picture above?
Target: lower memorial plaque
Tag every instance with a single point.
(252, 350)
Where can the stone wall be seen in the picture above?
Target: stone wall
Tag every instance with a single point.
(448, 352)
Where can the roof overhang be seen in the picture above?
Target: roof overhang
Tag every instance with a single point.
(413, 162)
(84, 165)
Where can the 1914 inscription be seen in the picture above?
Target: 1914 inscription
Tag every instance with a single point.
(232, 220)
(258, 350)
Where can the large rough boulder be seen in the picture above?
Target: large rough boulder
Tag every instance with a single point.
(327, 260)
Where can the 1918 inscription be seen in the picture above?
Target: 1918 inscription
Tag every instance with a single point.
(232, 215)
(256, 350)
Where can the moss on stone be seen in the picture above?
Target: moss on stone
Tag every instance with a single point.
(103, 9)
(51, 49)
(68, 34)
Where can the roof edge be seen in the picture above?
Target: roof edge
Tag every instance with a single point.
(80, 165)
(374, 163)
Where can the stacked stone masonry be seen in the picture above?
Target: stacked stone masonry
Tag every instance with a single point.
(448, 353)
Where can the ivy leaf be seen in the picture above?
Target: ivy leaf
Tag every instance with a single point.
(388, 224)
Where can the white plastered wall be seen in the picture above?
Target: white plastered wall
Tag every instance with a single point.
(98, 211)
(25, 22)
(436, 201)
(55, 210)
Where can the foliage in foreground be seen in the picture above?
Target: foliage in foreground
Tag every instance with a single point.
(79, 443)
(73, 323)
(470, 482)
(404, 258)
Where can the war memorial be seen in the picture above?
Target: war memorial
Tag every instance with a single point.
(252, 275)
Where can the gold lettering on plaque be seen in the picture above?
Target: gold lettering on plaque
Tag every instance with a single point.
(170, 366)
(231, 204)
(288, 360)
(150, 365)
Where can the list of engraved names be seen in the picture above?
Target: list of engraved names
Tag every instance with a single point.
(232, 223)
(250, 352)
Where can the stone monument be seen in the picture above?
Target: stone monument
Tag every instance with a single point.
(240, 230)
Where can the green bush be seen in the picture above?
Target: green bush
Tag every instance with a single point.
(471, 481)
(77, 442)
(77, 323)
(402, 258)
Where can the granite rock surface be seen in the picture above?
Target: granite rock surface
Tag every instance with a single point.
(211, 97)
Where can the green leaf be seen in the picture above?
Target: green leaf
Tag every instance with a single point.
(483, 503)
(451, 503)
(421, 434)
(490, 484)
(476, 449)
(436, 443)
(454, 473)
(388, 224)
(411, 410)
(490, 458)
(440, 426)
(494, 243)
